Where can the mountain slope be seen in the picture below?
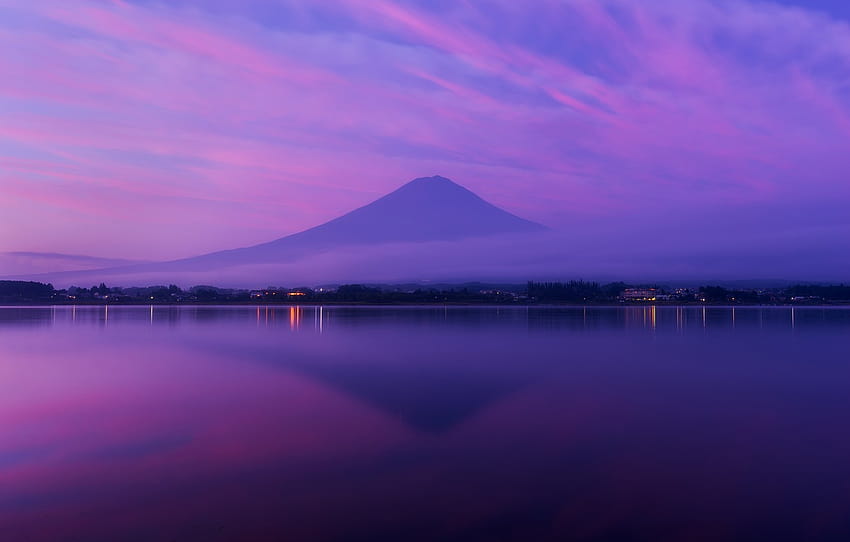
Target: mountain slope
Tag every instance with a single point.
(33, 263)
(425, 209)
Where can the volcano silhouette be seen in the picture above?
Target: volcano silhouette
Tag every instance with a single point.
(425, 209)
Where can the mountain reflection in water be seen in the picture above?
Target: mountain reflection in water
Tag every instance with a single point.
(424, 423)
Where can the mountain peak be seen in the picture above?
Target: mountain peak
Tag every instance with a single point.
(433, 179)
(435, 183)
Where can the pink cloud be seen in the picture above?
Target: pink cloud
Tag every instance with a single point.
(107, 101)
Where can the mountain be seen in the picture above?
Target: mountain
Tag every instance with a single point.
(412, 220)
(425, 209)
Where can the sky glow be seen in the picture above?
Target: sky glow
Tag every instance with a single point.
(154, 130)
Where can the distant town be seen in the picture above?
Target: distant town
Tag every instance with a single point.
(572, 292)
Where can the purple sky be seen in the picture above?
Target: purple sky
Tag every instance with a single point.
(161, 129)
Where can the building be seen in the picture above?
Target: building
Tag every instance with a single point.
(639, 294)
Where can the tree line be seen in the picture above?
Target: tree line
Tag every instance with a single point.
(574, 291)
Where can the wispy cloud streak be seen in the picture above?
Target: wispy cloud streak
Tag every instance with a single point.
(566, 111)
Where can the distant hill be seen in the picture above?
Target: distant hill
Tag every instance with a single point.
(34, 263)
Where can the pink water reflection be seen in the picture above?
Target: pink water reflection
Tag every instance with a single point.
(419, 424)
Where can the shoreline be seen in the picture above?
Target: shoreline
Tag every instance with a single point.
(426, 304)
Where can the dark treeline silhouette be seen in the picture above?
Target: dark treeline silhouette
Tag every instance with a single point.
(576, 291)
(840, 292)
(15, 290)
(357, 293)
(573, 291)
(718, 294)
(33, 292)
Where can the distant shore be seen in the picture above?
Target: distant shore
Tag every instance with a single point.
(572, 293)
(416, 304)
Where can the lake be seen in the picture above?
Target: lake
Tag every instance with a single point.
(424, 423)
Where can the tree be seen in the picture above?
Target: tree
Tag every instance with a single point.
(714, 294)
(573, 291)
(15, 290)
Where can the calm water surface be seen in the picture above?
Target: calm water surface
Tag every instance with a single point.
(413, 424)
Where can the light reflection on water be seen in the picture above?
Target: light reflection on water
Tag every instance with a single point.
(424, 423)
(664, 318)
